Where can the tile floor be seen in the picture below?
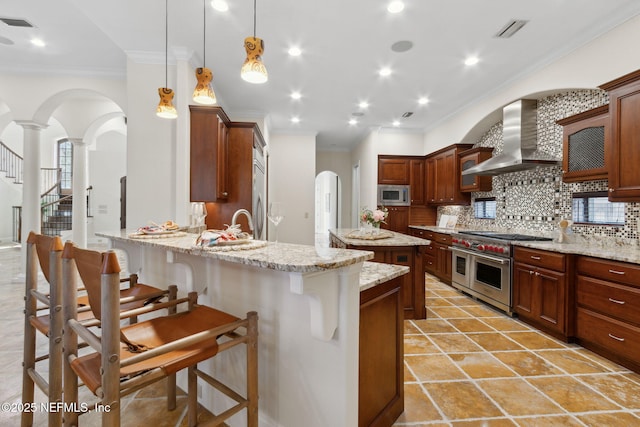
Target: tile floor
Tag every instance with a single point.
(466, 365)
(469, 365)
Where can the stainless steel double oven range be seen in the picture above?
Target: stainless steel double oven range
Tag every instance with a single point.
(481, 265)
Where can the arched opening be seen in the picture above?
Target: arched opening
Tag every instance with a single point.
(328, 204)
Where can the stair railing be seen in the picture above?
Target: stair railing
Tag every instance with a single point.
(11, 163)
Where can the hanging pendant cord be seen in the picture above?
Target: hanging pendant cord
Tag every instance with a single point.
(254, 19)
(166, 42)
(204, 33)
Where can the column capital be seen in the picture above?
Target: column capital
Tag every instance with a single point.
(30, 124)
(77, 141)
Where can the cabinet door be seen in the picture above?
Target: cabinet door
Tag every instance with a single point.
(624, 109)
(393, 170)
(430, 180)
(468, 159)
(398, 219)
(551, 295)
(405, 257)
(222, 164)
(416, 167)
(523, 290)
(208, 147)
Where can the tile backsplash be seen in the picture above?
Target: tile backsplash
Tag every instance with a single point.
(536, 200)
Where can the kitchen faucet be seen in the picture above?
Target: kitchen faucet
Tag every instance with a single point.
(246, 213)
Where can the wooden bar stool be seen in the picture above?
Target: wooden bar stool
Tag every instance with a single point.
(128, 358)
(45, 252)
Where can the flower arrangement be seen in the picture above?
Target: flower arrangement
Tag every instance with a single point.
(375, 217)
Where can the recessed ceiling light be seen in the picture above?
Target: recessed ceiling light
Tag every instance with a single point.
(38, 42)
(296, 95)
(295, 119)
(364, 105)
(423, 100)
(294, 51)
(471, 60)
(353, 122)
(220, 5)
(384, 72)
(396, 123)
(395, 7)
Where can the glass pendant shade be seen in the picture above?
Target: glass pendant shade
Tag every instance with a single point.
(165, 109)
(253, 70)
(203, 93)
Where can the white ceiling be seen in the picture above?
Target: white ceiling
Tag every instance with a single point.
(344, 44)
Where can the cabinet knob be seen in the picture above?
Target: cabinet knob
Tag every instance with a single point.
(225, 194)
(611, 190)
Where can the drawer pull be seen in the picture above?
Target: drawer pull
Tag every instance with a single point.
(616, 338)
(537, 258)
(616, 301)
(622, 273)
(443, 249)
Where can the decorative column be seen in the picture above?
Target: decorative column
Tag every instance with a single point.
(79, 185)
(31, 179)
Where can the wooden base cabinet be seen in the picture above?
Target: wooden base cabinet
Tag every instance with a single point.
(608, 309)
(541, 294)
(381, 372)
(437, 257)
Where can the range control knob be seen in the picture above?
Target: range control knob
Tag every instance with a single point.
(482, 248)
(500, 250)
(467, 244)
(454, 240)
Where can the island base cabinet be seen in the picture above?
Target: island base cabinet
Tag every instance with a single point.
(381, 372)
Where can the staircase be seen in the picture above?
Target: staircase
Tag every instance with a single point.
(56, 215)
(10, 164)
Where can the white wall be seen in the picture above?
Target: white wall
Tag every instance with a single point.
(340, 163)
(291, 169)
(610, 56)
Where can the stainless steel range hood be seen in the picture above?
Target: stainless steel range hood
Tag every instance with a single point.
(520, 149)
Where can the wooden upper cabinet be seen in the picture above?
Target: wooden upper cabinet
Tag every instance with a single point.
(208, 154)
(417, 178)
(468, 159)
(430, 166)
(443, 176)
(586, 145)
(624, 112)
(394, 170)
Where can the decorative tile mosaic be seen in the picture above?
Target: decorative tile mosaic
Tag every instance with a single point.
(535, 200)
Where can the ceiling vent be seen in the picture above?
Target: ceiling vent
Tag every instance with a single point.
(510, 28)
(407, 114)
(17, 22)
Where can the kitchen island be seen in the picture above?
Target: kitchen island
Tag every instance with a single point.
(308, 303)
(396, 248)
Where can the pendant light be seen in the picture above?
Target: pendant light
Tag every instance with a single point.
(253, 70)
(165, 109)
(203, 93)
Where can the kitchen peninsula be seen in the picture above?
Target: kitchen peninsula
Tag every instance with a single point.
(309, 304)
(396, 248)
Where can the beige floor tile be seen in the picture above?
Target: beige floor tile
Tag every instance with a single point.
(571, 361)
(450, 312)
(454, 343)
(612, 366)
(410, 328)
(505, 324)
(611, 419)
(526, 363)
(431, 294)
(417, 406)
(533, 340)
(470, 325)
(494, 341)
(438, 302)
(462, 400)
(481, 310)
(632, 376)
(481, 365)
(550, 421)
(434, 368)
(447, 292)
(618, 388)
(431, 314)
(572, 394)
(418, 344)
(462, 302)
(491, 422)
(517, 398)
(434, 326)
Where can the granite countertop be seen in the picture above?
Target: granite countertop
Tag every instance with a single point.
(625, 253)
(375, 273)
(276, 256)
(396, 239)
(437, 229)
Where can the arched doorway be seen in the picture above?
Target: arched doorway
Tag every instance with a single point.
(328, 203)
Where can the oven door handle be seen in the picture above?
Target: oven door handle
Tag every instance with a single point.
(478, 255)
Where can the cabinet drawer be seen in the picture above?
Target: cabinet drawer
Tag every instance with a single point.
(620, 272)
(538, 258)
(613, 335)
(444, 239)
(619, 301)
(430, 263)
(431, 250)
(428, 235)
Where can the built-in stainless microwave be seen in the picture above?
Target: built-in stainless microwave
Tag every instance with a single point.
(394, 195)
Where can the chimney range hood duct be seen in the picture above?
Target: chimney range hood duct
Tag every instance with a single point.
(520, 149)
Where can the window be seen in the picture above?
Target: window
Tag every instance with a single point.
(595, 208)
(65, 164)
(485, 208)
